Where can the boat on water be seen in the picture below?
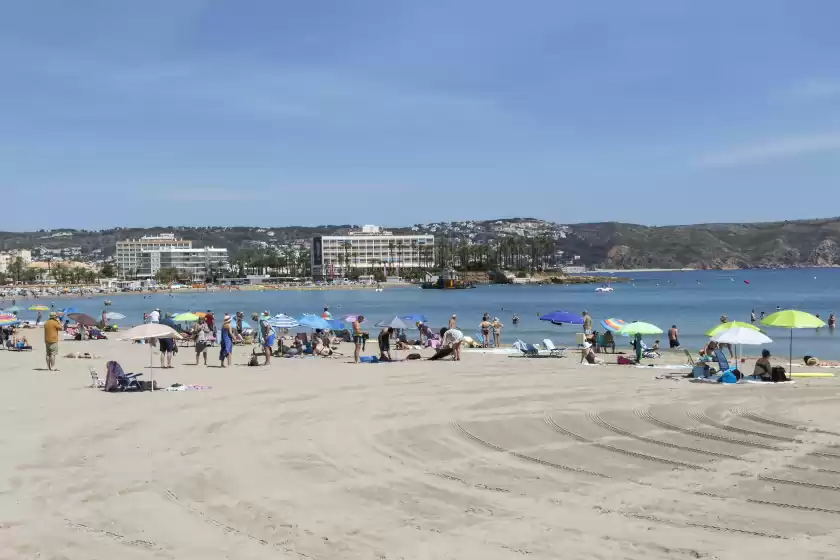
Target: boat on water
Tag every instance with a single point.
(604, 288)
(448, 280)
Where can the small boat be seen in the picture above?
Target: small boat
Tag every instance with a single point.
(107, 302)
(604, 288)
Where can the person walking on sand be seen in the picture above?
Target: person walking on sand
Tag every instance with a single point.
(38, 319)
(452, 322)
(226, 343)
(358, 337)
(51, 329)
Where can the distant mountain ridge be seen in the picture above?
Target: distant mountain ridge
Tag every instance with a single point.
(607, 244)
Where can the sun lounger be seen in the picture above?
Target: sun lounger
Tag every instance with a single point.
(118, 380)
(529, 350)
(553, 350)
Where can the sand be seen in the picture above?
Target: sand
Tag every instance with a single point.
(491, 458)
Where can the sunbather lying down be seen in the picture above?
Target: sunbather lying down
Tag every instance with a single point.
(85, 355)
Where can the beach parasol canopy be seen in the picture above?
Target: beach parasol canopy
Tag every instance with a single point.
(8, 320)
(414, 318)
(395, 323)
(11, 310)
(792, 319)
(114, 316)
(351, 318)
(39, 308)
(281, 321)
(186, 317)
(312, 322)
(742, 335)
(150, 330)
(560, 317)
(719, 328)
(82, 319)
(639, 327)
(336, 325)
(612, 324)
(199, 313)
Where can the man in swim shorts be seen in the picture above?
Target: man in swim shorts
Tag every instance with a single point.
(358, 337)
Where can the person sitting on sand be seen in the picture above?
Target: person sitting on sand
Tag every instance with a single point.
(709, 349)
(763, 367)
(588, 353)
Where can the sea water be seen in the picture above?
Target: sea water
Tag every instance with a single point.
(691, 300)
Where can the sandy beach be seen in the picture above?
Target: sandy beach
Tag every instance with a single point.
(492, 457)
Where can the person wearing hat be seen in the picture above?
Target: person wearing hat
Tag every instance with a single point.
(226, 342)
(588, 354)
(763, 367)
(51, 329)
(497, 332)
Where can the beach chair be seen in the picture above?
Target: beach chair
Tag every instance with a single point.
(94, 378)
(529, 350)
(723, 363)
(479, 338)
(605, 341)
(553, 350)
(118, 380)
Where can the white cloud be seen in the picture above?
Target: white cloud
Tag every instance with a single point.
(771, 150)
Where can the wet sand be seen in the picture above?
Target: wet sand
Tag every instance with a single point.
(491, 457)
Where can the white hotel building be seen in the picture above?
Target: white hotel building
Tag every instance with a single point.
(142, 258)
(335, 256)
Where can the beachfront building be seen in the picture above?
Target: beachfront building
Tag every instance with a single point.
(190, 264)
(8, 257)
(370, 248)
(130, 251)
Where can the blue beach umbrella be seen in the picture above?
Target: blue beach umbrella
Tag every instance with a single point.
(562, 317)
(336, 325)
(312, 322)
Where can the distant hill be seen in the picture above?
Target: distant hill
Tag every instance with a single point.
(608, 244)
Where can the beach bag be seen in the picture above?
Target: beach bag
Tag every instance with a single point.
(777, 374)
(624, 361)
(414, 356)
(727, 377)
(253, 361)
(368, 359)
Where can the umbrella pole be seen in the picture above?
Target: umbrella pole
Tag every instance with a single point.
(151, 364)
(790, 355)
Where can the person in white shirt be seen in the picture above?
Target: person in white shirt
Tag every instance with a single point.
(453, 338)
(154, 316)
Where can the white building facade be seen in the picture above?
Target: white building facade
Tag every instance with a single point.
(130, 251)
(191, 264)
(370, 248)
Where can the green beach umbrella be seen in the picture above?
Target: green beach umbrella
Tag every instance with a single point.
(717, 329)
(39, 308)
(185, 318)
(639, 327)
(792, 319)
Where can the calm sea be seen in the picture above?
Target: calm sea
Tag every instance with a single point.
(694, 301)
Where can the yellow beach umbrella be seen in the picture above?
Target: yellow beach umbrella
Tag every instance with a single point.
(792, 319)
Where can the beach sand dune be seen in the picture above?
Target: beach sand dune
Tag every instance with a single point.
(492, 457)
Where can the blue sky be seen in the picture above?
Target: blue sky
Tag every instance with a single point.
(280, 112)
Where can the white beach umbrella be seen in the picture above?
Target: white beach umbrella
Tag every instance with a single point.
(742, 335)
(281, 321)
(150, 330)
(114, 316)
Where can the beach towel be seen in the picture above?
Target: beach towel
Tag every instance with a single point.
(226, 346)
(442, 353)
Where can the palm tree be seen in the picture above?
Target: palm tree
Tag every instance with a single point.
(391, 246)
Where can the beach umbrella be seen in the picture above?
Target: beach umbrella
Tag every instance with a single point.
(39, 308)
(281, 321)
(414, 318)
(792, 319)
(395, 323)
(12, 310)
(246, 325)
(717, 329)
(351, 318)
(746, 334)
(150, 330)
(186, 317)
(114, 316)
(82, 319)
(336, 325)
(560, 317)
(8, 320)
(639, 327)
(312, 322)
(612, 324)
(199, 313)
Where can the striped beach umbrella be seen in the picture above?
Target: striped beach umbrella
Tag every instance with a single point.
(612, 324)
(282, 321)
(7, 319)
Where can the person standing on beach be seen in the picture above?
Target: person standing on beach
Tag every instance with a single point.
(587, 323)
(485, 333)
(358, 337)
(38, 319)
(226, 342)
(673, 337)
(752, 317)
(51, 329)
(154, 316)
(497, 332)
(167, 346)
(832, 321)
(761, 317)
(211, 320)
(268, 338)
(452, 322)
(200, 331)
